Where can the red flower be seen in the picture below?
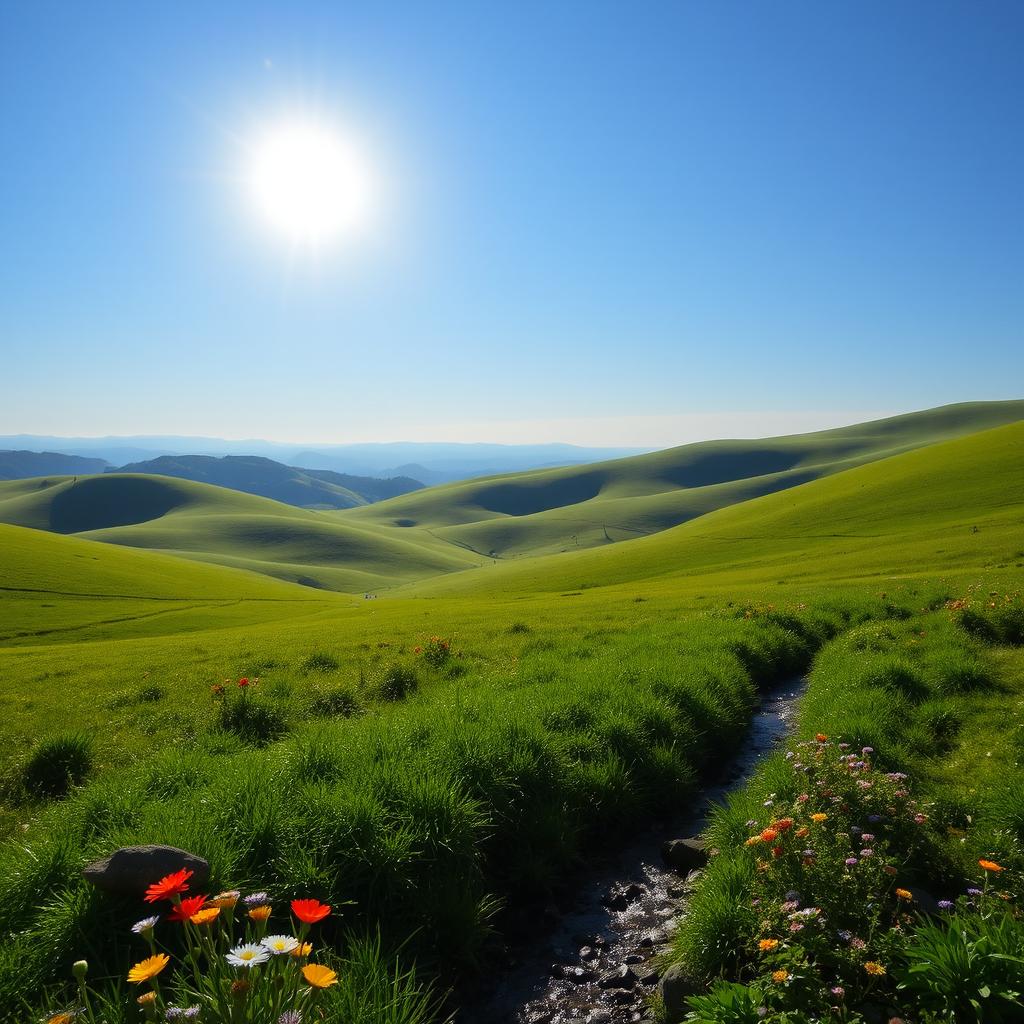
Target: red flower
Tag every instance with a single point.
(310, 911)
(168, 886)
(186, 908)
(243, 682)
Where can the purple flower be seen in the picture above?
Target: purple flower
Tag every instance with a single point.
(973, 892)
(874, 818)
(867, 750)
(796, 926)
(867, 853)
(945, 904)
(290, 1017)
(851, 862)
(858, 943)
(867, 837)
(838, 991)
(181, 1012)
(257, 899)
(844, 936)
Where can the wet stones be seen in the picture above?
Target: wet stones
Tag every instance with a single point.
(684, 855)
(621, 978)
(619, 897)
(674, 990)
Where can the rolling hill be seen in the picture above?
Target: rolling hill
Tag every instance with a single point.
(954, 507)
(214, 524)
(17, 465)
(550, 511)
(253, 474)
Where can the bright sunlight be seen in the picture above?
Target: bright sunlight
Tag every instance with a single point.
(310, 183)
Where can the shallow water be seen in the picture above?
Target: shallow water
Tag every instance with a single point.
(558, 979)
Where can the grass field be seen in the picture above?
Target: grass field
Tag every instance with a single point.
(574, 694)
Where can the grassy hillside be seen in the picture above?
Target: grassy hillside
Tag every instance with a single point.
(579, 507)
(253, 474)
(219, 525)
(953, 506)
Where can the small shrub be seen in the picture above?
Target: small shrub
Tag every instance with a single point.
(975, 624)
(150, 694)
(398, 682)
(728, 1003)
(435, 651)
(58, 763)
(518, 628)
(320, 661)
(339, 702)
(252, 720)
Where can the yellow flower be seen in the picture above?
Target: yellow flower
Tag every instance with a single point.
(905, 894)
(319, 976)
(872, 967)
(819, 817)
(753, 841)
(61, 1018)
(225, 900)
(260, 913)
(146, 999)
(767, 945)
(303, 949)
(780, 976)
(205, 916)
(149, 968)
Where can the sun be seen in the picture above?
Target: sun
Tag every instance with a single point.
(310, 182)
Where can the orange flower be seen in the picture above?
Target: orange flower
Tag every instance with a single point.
(767, 945)
(905, 894)
(319, 976)
(169, 886)
(225, 900)
(186, 908)
(990, 865)
(146, 970)
(821, 737)
(769, 835)
(777, 851)
(303, 949)
(780, 976)
(802, 832)
(819, 817)
(875, 968)
(205, 916)
(310, 911)
(784, 824)
(889, 869)
(146, 999)
(260, 913)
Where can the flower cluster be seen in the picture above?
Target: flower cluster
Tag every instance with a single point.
(435, 650)
(232, 971)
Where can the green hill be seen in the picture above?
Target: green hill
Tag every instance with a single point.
(549, 511)
(214, 524)
(16, 465)
(253, 474)
(955, 506)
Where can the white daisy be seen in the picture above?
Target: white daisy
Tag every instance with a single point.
(280, 943)
(248, 954)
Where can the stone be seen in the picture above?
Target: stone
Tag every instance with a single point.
(684, 855)
(633, 958)
(622, 997)
(132, 869)
(620, 897)
(577, 975)
(646, 942)
(599, 1016)
(651, 978)
(588, 953)
(621, 978)
(674, 990)
(542, 1017)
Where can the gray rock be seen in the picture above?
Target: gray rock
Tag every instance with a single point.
(674, 990)
(619, 897)
(684, 855)
(599, 1016)
(633, 958)
(132, 869)
(621, 978)
(651, 978)
(542, 1017)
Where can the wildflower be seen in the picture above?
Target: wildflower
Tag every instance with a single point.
(260, 914)
(850, 862)
(146, 970)
(920, 819)
(205, 916)
(767, 945)
(769, 835)
(67, 1017)
(303, 949)
(990, 865)
(867, 853)
(777, 851)
(868, 837)
(145, 926)
(867, 750)
(905, 894)
(752, 841)
(184, 910)
(243, 682)
(181, 1012)
(280, 943)
(779, 977)
(838, 991)
(803, 798)
(290, 1017)
(257, 899)
(788, 906)
(80, 968)
(945, 904)
(875, 968)
(889, 869)
(225, 900)
(146, 999)
(796, 926)
(819, 817)
(217, 689)
(169, 886)
(248, 954)
(784, 824)
(802, 832)
(973, 892)
(858, 944)
(311, 911)
(319, 976)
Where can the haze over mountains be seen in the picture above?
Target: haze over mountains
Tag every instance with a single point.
(430, 463)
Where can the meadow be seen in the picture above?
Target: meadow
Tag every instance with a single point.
(435, 763)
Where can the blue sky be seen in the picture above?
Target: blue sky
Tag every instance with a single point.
(597, 222)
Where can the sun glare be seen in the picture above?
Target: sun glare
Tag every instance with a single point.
(310, 183)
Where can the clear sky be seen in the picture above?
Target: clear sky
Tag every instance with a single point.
(633, 223)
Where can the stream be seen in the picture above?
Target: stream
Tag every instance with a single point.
(597, 964)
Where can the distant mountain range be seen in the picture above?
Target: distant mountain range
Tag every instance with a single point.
(17, 465)
(253, 474)
(424, 461)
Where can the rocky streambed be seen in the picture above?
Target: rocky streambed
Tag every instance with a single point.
(595, 962)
